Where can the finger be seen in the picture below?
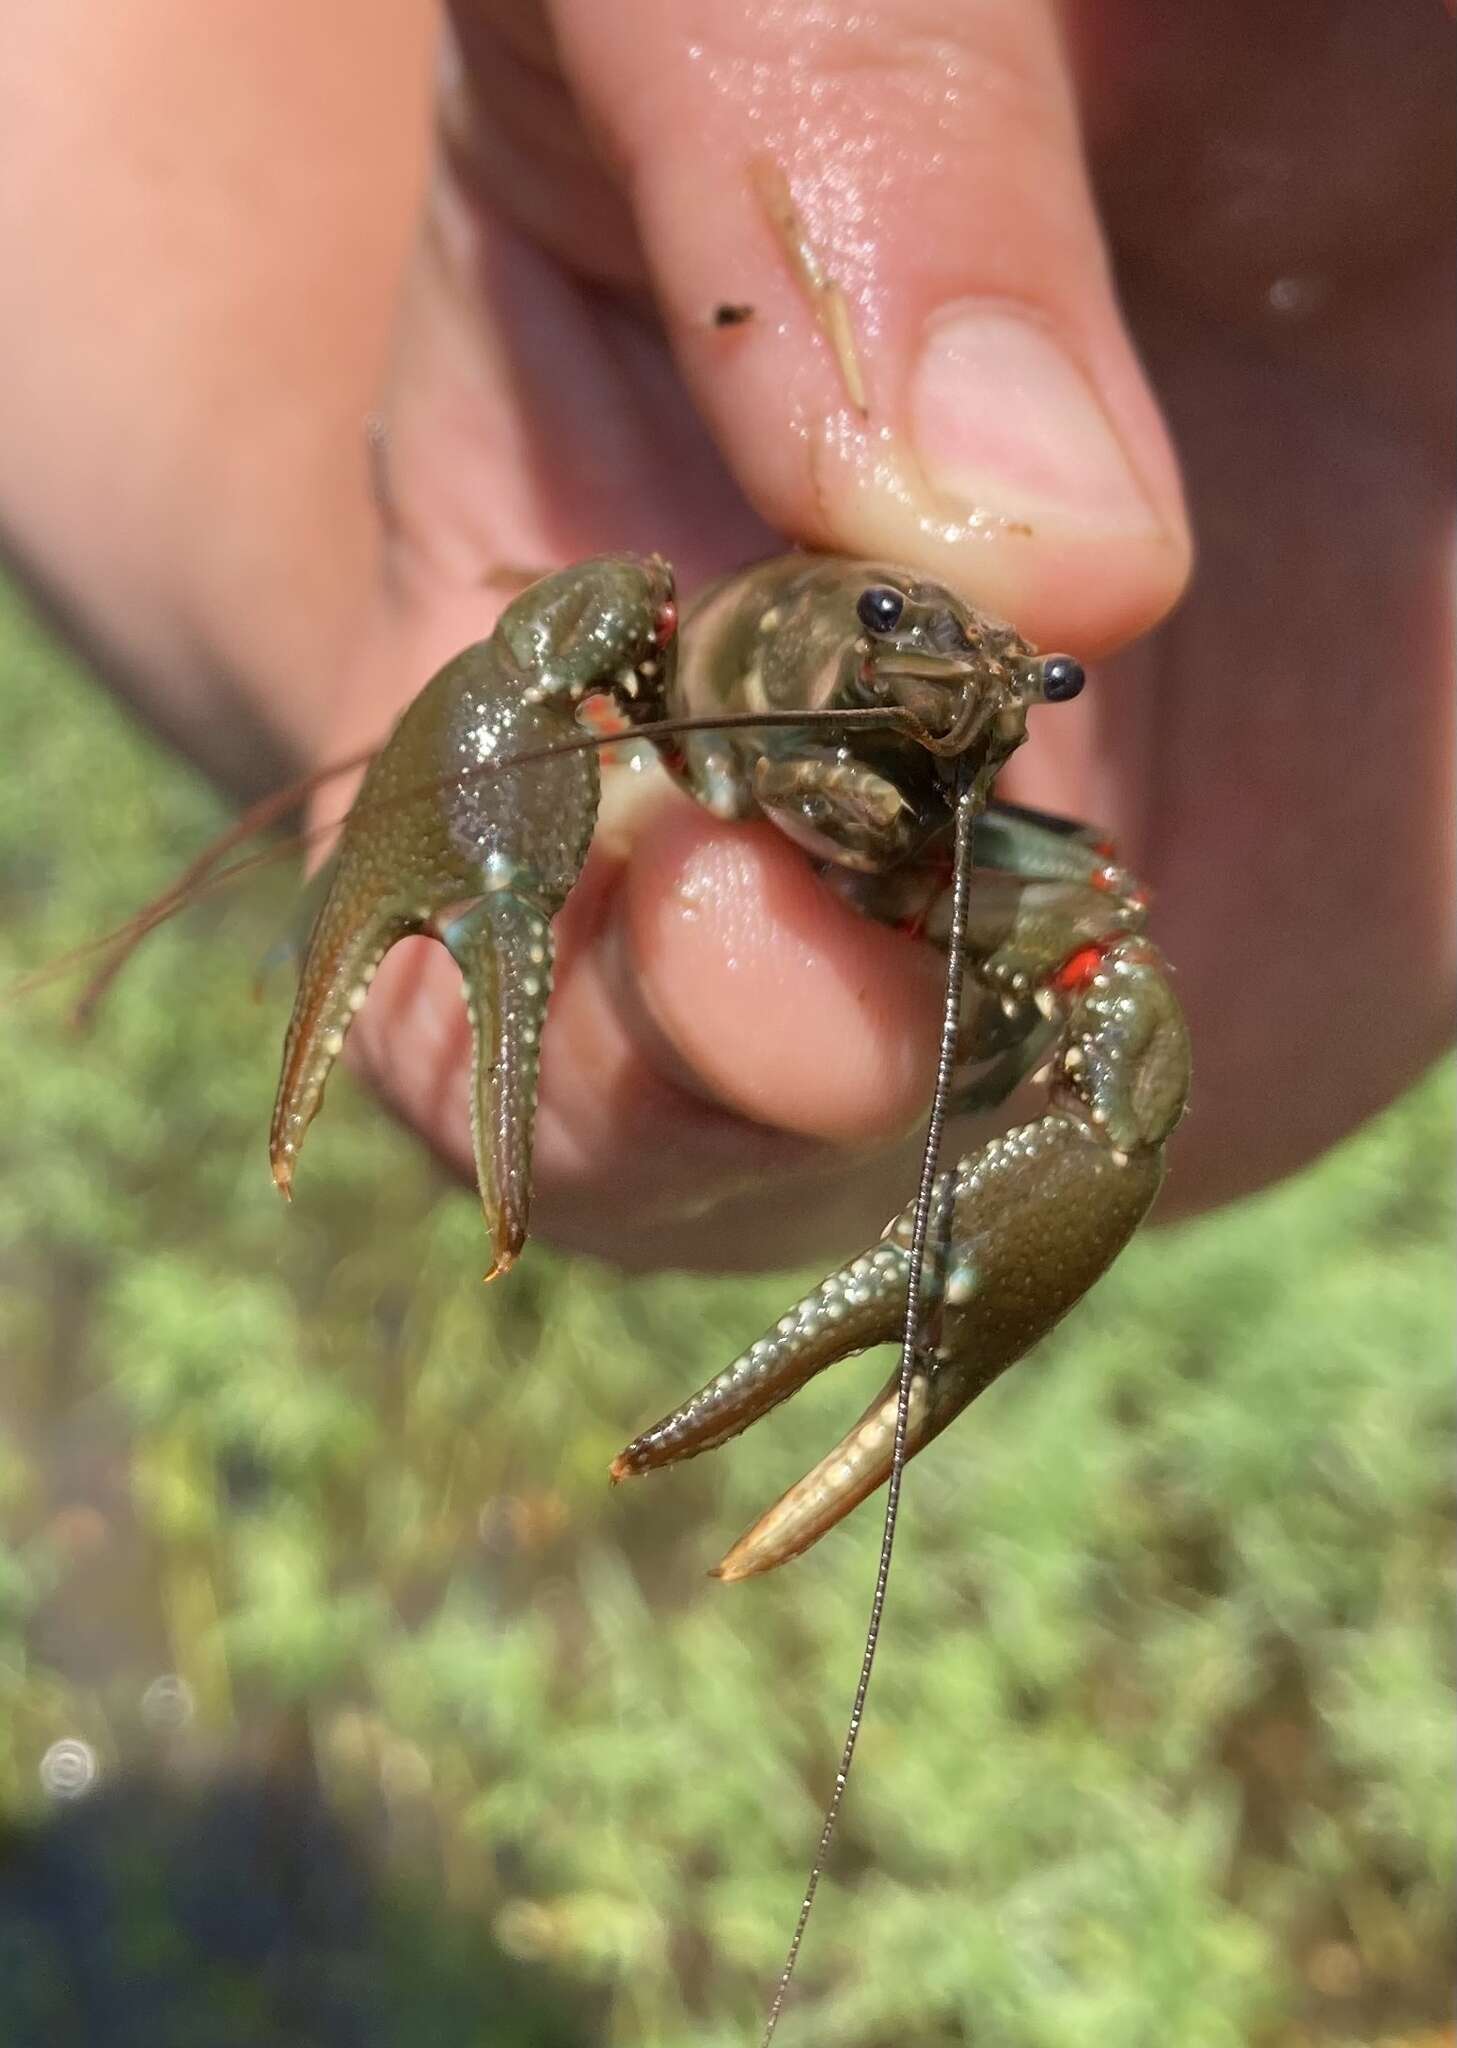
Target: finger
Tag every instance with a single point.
(745, 921)
(927, 158)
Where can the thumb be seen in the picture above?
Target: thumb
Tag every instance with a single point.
(924, 158)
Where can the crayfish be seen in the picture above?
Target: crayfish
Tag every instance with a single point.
(843, 701)
(867, 714)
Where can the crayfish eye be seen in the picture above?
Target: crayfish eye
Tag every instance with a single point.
(879, 609)
(1062, 678)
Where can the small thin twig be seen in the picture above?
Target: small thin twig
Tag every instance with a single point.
(827, 300)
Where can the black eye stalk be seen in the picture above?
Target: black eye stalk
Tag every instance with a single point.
(1062, 678)
(879, 609)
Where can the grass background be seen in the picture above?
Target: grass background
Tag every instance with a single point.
(397, 1726)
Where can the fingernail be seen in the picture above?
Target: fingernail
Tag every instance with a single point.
(1005, 422)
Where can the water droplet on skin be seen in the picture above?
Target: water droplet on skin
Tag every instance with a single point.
(694, 894)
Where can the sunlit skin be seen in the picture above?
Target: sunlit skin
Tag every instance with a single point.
(186, 475)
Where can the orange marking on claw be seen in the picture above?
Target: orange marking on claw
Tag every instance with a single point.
(604, 721)
(1078, 969)
(600, 715)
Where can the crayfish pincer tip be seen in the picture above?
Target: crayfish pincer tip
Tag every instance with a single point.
(508, 1241)
(728, 1573)
(740, 1563)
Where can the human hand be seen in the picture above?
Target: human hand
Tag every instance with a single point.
(721, 1029)
(203, 216)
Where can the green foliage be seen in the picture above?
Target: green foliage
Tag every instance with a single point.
(1159, 1748)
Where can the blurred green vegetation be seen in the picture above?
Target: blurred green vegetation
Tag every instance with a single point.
(1160, 1748)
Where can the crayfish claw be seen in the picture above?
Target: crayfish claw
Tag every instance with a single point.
(857, 1305)
(1035, 1217)
(503, 947)
(350, 937)
(848, 1474)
